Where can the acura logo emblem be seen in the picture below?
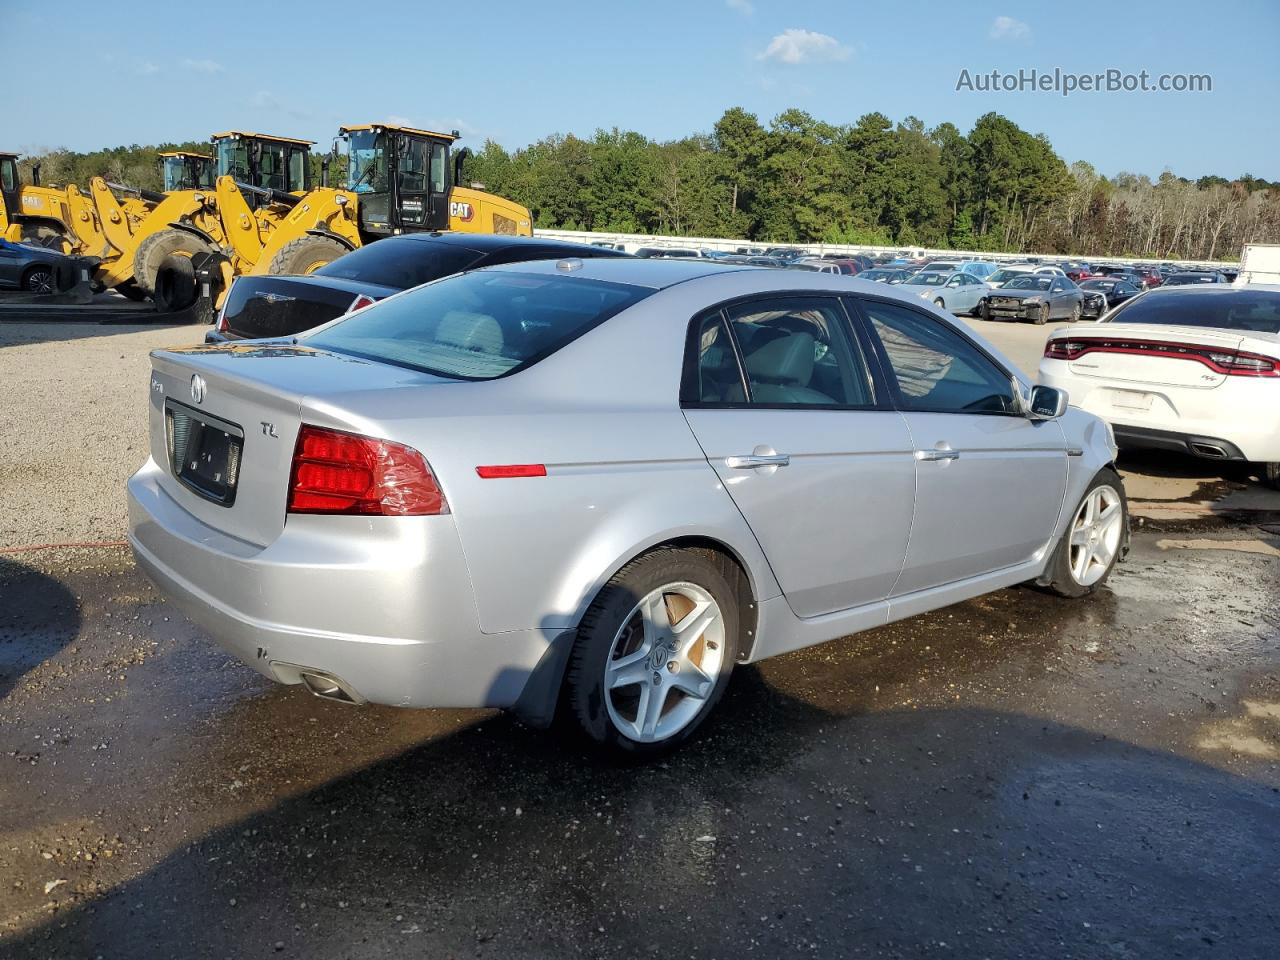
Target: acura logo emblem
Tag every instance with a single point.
(197, 388)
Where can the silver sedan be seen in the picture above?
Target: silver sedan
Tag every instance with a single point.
(603, 484)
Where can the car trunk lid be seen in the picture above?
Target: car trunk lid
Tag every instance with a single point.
(1155, 354)
(265, 307)
(224, 421)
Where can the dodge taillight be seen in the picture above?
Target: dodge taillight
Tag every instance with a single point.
(344, 473)
(1232, 363)
(360, 302)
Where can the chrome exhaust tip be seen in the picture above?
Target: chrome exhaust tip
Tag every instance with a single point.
(320, 682)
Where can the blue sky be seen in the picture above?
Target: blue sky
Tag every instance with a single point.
(516, 71)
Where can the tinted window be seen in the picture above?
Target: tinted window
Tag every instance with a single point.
(8, 175)
(796, 351)
(401, 262)
(479, 325)
(1256, 311)
(935, 367)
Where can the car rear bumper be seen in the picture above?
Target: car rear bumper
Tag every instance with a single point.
(1180, 419)
(381, 605)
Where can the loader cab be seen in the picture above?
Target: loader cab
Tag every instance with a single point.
(402, 177)
(261, 160)
(10, 187)
(181, 170)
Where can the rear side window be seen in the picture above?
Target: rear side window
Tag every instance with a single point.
(1255, 311)
(794, 351)
(401, 262)
(935, 367)
(479, 325)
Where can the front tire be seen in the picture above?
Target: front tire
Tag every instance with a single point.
(1042, 315)
(1271, 475)
(38, 279)
(175, 284)
(1095, 540)
(654, 653)
(155, 249)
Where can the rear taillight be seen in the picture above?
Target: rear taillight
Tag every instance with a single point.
(360, 302)
(1232, 363)
(222, 319)
(337, 472)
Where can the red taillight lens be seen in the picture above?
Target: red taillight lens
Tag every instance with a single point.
(360, 302)
(336, 472)
(222, 319)
(1233, 363)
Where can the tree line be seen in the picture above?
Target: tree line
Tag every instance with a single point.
(800, 179)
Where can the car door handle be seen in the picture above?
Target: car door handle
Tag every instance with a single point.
(937, 454)
(751, 461)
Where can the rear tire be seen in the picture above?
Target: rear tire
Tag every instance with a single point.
(175, 284)
(639, 684)
(1271, 475)
(1094, 541)
(304, 255)
(153, 251)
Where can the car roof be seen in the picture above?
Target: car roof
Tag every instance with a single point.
(488, 242)
(1212, 289)
(655, 273)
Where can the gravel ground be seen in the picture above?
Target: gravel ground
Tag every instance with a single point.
(80, 388)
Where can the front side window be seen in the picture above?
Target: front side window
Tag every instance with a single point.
(271, 166)
(233, 158)
(413, 166)
(297, 170)
(367, 162)
(795, 351)
(937, 369)
(8, 174)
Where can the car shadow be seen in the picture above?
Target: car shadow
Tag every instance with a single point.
(786, 828)
(39, 616)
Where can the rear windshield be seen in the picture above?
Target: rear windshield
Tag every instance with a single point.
(400, 262)
(479, 325)
(1255, 311)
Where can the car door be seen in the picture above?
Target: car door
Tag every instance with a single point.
(989, 481)
(12, 261)
(780, 394)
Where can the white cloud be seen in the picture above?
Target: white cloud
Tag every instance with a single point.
(398, 121)
(266, 100)
(203, 66)
(148, 69)
(744, 7)
(804, 46)
(1007, 28)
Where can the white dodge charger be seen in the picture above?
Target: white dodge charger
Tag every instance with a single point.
(1192, 369)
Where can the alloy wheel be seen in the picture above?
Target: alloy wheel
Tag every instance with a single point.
(1096, 532)
(40, 281)
(665, 662)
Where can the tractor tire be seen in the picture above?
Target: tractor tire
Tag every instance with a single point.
(306, 254)
(131, 291)
(151, 253)
(175, 284)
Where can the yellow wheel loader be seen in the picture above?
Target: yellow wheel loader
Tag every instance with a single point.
(399, 180)
(145, 232)
(60, 218)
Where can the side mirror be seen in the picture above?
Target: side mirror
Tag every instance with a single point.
(1047, 403)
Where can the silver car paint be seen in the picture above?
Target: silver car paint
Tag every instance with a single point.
(457, 610)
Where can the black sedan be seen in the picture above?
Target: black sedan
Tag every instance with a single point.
(282, 306)
(27, 267)
(1193, 277)
(1037, 297)
(1103, 293)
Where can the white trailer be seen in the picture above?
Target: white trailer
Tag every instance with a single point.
(1259, 263)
